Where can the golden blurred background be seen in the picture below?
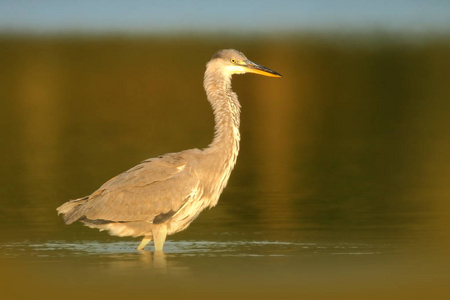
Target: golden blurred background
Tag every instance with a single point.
(350, 147)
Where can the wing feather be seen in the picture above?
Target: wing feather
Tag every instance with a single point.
(155, 187)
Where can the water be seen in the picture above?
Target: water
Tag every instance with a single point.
(340, 190)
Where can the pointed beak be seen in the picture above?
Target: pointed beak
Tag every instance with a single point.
(251, 67)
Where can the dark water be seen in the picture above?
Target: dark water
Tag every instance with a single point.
(341, 188)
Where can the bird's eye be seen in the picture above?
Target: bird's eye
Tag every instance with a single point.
(233, 60)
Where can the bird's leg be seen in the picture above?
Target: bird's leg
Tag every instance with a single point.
(144, 242)
(159, 237)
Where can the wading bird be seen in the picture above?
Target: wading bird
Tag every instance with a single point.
(163, 195)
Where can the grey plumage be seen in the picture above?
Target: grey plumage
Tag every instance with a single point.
(163, 195)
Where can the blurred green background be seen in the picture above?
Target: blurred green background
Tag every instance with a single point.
(341, 186)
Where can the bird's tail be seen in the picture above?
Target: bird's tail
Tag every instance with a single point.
(67, 209)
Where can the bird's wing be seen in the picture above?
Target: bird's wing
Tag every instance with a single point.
(151, 191)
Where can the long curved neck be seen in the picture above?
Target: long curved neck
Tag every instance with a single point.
(226, 108)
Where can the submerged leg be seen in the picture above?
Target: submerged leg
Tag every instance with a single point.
(144, 242)
(159, 237)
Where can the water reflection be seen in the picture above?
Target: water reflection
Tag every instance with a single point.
(211, 268)
(184, 259)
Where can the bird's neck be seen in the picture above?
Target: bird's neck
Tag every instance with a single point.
(226, 108)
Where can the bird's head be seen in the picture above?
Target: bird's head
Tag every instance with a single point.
(230, 61)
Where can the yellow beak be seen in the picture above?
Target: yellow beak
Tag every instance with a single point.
(251, 67)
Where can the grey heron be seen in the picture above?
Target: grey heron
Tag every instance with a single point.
(163, 195)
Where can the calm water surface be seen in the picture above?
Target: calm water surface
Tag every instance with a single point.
(340, 191)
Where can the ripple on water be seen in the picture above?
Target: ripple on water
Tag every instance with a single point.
(60, 248)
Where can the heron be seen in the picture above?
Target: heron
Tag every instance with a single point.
(163, 195)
